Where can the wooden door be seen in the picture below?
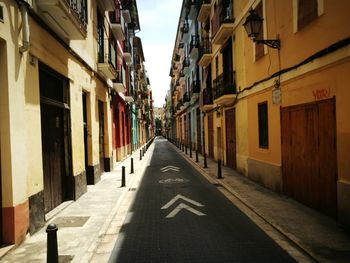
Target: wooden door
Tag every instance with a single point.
(52, 131)
(230, 121)
(211, 135)
(309, 161)
(199, 141)
(101, 136)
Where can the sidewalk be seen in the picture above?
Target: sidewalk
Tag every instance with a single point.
(89, 223)
(320, 238)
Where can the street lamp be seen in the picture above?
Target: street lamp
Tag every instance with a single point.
(253, 25)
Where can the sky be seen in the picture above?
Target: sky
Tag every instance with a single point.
(158, 23)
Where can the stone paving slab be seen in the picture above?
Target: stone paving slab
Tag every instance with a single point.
(83, 223)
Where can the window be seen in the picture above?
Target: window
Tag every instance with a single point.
(100, 38)
(307, 12)
(259, 48)
(263, 125)
(1, 13)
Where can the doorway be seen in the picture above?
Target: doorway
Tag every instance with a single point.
(101, 136)
(85, 127)
(309, 154)
(230, 121)
(56, 150)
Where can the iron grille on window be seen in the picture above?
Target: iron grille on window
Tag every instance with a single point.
(79, 8)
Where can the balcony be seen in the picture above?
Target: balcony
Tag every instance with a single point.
(184, 31)
(205, 52)
(118, 84)
(106, 66)
(222, 24)
(127, 55)
(193, 6)
(224, 88)
(204, 10)
(116, 25)
(182, 77)
(107, 5)
(194, 45)
(207, 99)
(195, 90)
(68, 18)
(186, 99)
(186, 65)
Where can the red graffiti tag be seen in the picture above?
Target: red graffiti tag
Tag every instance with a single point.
(321, 93)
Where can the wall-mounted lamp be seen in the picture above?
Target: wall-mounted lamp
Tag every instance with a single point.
(252, 25)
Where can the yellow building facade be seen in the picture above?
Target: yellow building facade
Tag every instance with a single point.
(45, 89)
(281, 119)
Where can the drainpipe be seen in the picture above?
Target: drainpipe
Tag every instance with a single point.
(25, 26)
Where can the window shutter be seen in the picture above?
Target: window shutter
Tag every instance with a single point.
(307, 12)
(259, 48)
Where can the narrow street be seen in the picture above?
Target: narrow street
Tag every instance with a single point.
(178, 216)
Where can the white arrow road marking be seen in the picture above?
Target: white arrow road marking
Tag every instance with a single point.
(183, 206)
(172, 201)
(170, 167)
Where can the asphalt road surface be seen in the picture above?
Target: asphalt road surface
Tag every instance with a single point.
(178, 216)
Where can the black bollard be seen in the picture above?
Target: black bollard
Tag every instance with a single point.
(143, 151)
(205, 161)
(123, 176)
(132, 166)
(52, 250)
(197, 156)
(190, 151)
(219, 170)
(140, 155)
(186, 149)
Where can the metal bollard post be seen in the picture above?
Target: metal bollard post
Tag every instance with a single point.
(205, 161)
(186, 149)
(52, 250)
(190, 151)
(197, 156)
(132, 166)
(123, 176)
(182, 147)
(219, 170)
(143, 151)
(140, 155)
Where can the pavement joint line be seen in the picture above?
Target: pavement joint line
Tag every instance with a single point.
(123, 206)
(211, 178)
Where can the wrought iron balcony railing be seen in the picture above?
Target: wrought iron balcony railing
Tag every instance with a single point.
(186, 62)
(185, 27)
(79, 8)
(224, 84)
(186, 97)
(194, 42)
(196, 86)
(205, 46)
(207, 96)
